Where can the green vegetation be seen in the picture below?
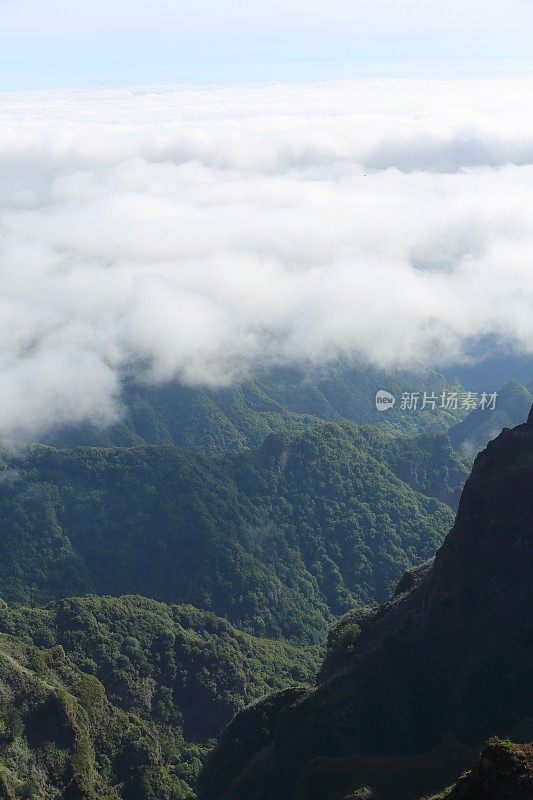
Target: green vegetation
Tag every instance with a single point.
(61, 738)
(278, 539)
(110, 695)
(409, 690)
(162, 660)
(179, 674)
(220, 421)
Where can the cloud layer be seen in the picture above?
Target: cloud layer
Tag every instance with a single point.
(197, 233)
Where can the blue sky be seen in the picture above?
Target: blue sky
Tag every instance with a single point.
(81, 43)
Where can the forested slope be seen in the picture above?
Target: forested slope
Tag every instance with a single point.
(218, 421)
(410, 691)
(179, 674)
(278, 539)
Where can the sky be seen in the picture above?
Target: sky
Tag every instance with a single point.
(81, 43)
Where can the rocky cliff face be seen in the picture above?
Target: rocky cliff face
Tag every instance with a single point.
(410, 691)
(504, 771)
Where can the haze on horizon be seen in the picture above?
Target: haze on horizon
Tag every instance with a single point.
(83, 43)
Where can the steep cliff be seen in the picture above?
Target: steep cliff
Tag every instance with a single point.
(410, 691)
(504, 771)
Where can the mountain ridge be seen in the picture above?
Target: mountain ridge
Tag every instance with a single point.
(214, 421)
(277, 549)
(425, 678)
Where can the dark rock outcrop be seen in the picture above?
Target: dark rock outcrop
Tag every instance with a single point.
(504, 771)
(410, 691)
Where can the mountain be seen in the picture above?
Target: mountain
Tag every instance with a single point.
(477, 429)
(181, 673)
(61, 738)
(277, 539)
(504, 771)
(218, 421)
(489, 368)
(409, 691)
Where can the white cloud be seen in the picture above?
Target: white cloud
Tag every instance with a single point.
(200, 232)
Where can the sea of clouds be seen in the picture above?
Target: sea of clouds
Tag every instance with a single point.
(200, 232)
